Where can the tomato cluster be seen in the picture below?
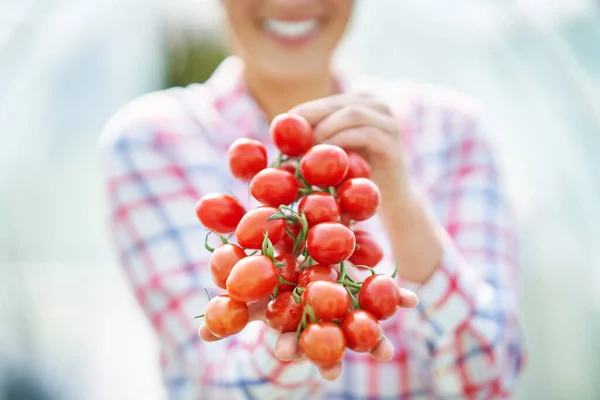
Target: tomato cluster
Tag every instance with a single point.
(301, 240)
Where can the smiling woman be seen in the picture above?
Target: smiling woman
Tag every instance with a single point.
(440, 212)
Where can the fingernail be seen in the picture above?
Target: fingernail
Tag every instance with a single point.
(409, 295)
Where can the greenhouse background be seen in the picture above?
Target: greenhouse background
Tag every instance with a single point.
(71, 328)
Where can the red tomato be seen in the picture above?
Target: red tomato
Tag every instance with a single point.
(222, 261)
(323, 344)
(225, 316)
(283, 314)
(219, 212)
(246, 158)
(252, 227)
(330, 243)
(358, 167)
(345, 220)
(286, 245)
(289, 272)
(319, 207)
(252, 278)
(380, 296)
(289, 167)
(318, 273)
(369, 253)
(361, 330)
(329, 300)
(274, 187)
(292, 134)
(359, 198)
(324, 165)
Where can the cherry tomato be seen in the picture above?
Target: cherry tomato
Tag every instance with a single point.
(225, 316)
(319, 207)
(380, 296)
(329, 300)
(345, 220)
(289, 167)
(219, 212)
(359, 198)
(358, 167)
(361, 330)
(369, 253)
(324, 165)
(252, 227)
(253, 278)
(283, 314)
(292, 134)
(246, 158)
(330, 243)
(222, 261)
(318, 273)
(323, 343)
(289, 272)
(286, 245)
(274, 187)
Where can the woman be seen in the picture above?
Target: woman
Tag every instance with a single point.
(442, 215)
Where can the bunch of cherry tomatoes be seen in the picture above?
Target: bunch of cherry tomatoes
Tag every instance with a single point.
(300, 240)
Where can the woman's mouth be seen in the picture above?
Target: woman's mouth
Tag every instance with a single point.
(291, 31)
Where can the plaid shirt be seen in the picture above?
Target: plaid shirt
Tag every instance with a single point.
(166, 149)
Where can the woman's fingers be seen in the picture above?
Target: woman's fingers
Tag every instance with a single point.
(384, 351)
(286, 348)
(408, 299)
(316, 110)
(362, 138)
(257, 309)
(205, 334)
(354, 116)
(331, 373)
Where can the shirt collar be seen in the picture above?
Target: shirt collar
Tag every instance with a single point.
(234, 102)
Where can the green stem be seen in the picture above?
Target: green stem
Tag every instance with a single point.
(300, 178)
(342, 271)
(351, 284)
(301, 265)
(354, 301)
(206, 245)
(330, 190)
(296, 295)
(199, 316)
(277, 162)
(395, 270)
(267, 247)
(311, 313)
(305, 191)
(281, 280)
(301, 324)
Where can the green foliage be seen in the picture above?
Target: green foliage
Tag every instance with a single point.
(193, 59)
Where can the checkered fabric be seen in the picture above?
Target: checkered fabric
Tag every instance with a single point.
(166, 149)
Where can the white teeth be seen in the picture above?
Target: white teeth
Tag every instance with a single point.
(291, 29)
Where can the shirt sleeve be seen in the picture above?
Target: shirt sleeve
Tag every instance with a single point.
(152, 192)
(464, 335)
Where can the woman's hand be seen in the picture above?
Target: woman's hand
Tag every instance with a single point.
(286, 348)
(361, 123)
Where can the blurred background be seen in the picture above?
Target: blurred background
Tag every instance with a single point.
(70, 328)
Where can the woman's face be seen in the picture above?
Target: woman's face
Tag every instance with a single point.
(287, 38)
